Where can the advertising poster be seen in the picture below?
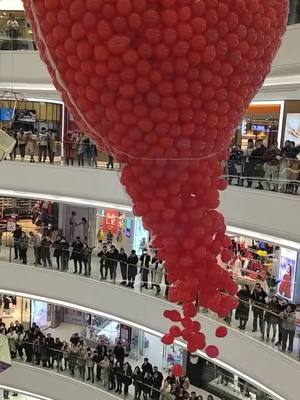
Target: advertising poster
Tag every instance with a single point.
(39, 313)
(140, 237)
(292, 128)
(287, 273)
(5, 358)
(128, 228)
(6, 114)
(111, 221)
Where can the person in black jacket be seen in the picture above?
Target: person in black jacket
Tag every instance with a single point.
(17, 233)
(137, 382)
(258, 159)
(119, 353)
(77, 254)
(58, 354)
(146, 367)
(157, 380)
(242, 310)
(145, 260)
(113, 258)
(103, 254)
(132, 268)
(65, 254)
(258, 298)
(49, 342)
(123, 266)
(146, 385)
(57, 251)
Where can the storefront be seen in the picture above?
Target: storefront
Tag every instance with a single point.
(33, 215)
(273, 263)
(22, 113)
(263, 120)
(13, 309)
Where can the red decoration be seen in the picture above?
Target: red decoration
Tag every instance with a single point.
(162, 86)
(212, 351)
(221, 332)
(167, 339)
(177, 370)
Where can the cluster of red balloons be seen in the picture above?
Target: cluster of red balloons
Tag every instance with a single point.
(162, 85)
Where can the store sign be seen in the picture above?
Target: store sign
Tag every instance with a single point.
(287, 273)
(111, 221)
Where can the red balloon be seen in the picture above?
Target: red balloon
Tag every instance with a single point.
(221, 332)
(163, 89)
(177, 370)
(175, 331)
(167, 339)
(212, 351)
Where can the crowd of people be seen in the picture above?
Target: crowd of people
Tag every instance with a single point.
(269, 314)
(104, 365)
(112, 262)
(43, 146)
(272, 168)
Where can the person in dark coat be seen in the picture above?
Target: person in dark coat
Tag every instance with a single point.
(258, 159)
(77, 254)
(119, 353)
(113, 258)
(57, 251)
(132, 262)
(45, 251)
(123, 266)
(50, 345)
(127, 377)
(146, 385)
(65, 254)
(145, 261)
(103, 255)
(242, 311)
(258, 297)
(157, 380)
(137, 382)
(146, 367)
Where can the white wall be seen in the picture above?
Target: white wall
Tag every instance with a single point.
(265, 212)
(237, 351)
(45, 384)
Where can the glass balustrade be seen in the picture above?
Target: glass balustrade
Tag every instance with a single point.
(280, 175)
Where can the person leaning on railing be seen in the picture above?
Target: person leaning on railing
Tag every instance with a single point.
(271, 166)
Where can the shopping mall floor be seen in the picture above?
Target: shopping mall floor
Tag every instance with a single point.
(4, 256)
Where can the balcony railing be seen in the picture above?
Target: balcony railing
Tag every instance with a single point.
(280, 175)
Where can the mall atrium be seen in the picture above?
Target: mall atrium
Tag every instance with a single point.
(150, 199)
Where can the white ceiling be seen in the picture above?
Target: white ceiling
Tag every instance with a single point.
(13, 5)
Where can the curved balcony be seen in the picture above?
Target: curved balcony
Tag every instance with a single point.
(117, 303)
(246, 208)
(47, 385)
